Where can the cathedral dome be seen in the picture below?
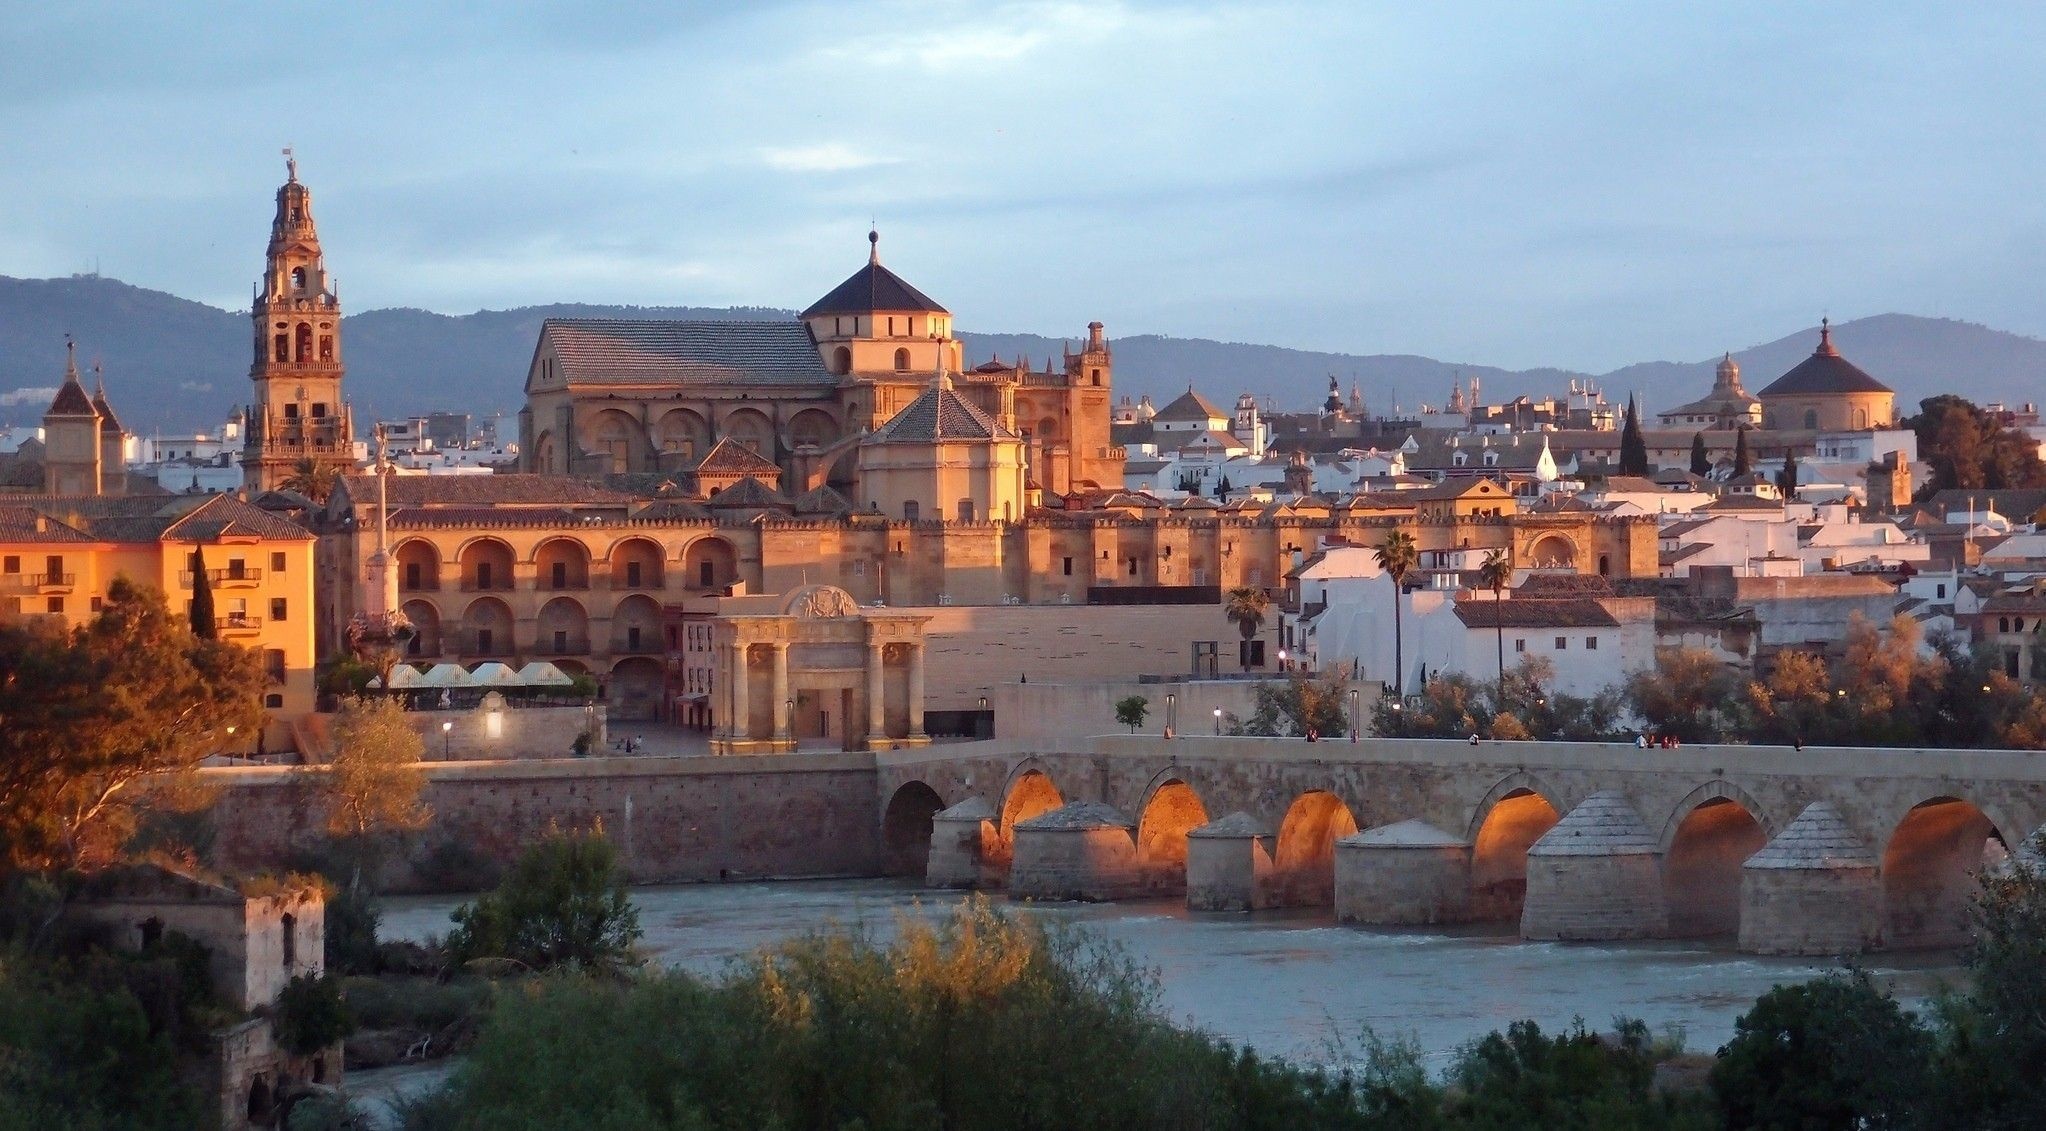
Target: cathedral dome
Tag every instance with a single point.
(1824, 372)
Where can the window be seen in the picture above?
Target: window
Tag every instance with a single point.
(705, 575)
(11, 564)
(298, 278)
(277, 562)
(96, 604)
(966, 510)
(1562, 644)
(53, 571)
(290, 942)
(276, 608)
(1941, 592)
(483, 640)
(319, 411)
(632, 639)
(55, 605)
(482, 575)
(1069, 567)
(411, 575)
(280, 348)
(291, 412)
(304, 343)
(1591, 643)
(859, 567)
(561, 640)
(558, 575)
(909, 510)
(632, 575)
(237, 569)
(1519, 644)
(273, 664)
(326, 347)
(1605, 565)
(2003, 624)
(902, 361)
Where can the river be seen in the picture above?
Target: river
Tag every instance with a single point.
(1287, 983)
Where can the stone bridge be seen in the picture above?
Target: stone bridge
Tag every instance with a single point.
(1813, 851)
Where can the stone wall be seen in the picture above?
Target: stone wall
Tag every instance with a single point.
(673, 819)
(1069, 708)
(979, 650)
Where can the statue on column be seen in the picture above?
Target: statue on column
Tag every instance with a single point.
(379, 631)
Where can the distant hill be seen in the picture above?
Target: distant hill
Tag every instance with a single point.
(177, 365)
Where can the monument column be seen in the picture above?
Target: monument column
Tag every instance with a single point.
(781, 690)
(877, 718)
(916, 690)
(742, 713)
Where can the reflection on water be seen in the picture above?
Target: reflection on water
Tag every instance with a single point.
(1284, 982)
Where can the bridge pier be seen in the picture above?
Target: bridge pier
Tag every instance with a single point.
(965, 847)
(1229, 865)
(1596, 875)
(1404, 874)
(1811, 890)
(1085, 851)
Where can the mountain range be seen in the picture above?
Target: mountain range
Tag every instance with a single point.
(174, 365)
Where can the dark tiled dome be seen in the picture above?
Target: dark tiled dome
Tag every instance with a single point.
(1825, 371)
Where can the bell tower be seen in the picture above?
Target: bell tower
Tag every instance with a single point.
(298, 416)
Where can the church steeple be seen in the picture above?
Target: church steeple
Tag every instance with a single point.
(298, 413)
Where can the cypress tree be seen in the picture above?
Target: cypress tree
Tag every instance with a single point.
(1633, 449)
(1787, 481)
(1701, 464)
(1740, 454)
(202, 598)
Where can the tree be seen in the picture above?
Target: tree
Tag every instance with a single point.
(1247, 606)
(1969, 449)
(1741, 462)
(1689, 694)
(1633, 447)
(1701, 463)
(312, 479)
(564, 905)
(1993, 1038)
(1222, 489)
(1397, 556)
(87, 715)
(1832, 1052)
(1495, 572)
(1131, 710)
(1786, 480)
(372, 785)
(1299, 706)
(203, 625)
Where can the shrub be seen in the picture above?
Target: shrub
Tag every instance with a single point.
(352, 920)
(453, 864)
(1832, 1052)
(563, 905)
(79, 1056)
(312, 1014)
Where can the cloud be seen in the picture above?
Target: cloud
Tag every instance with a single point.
(828, 157)
(196, 386)
(27, 396)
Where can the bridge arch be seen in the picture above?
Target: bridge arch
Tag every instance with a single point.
(1029, 792)
(1930, 862)
(1306, 851)
(1171, 809)
(1707, 838)
(906, 829)
(1514, 814)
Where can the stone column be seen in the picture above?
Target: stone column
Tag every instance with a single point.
(741, 727)
(877, 717)
(916, 690)
(781, 690)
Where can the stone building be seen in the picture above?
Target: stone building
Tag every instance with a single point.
(814, 663)
(83, 440)
(616, 395)
(1826, 392)
(298, 414)
(1727, 406)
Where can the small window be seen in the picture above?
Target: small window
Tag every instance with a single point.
(2003, 624)
(561, 640)
(290, 924)
(909, 510)
(559, 575)
(1069, 567)
(632, 638)
(483, 575)
(96, 604)
(411, 575)
(1519, 644)
(484, 641)
(319, 411)
(11, 564)
(1562, 644)
(291, 412)
(55, 605)
(902, 361)
(277, 606)
(277, 562)
(1591, 643)
(1941, 592)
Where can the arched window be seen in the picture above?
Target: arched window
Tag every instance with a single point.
(909, 510)
(281, 348)
(841, 361)
(1811, 418)
(326, 347)
(298, 278)
(902, 361)
(305, 342)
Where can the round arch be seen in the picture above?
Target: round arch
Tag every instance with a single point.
(1929, 865)
(634, 689)
(486, 563)
(1552, 551)
(1710, 836)
(636, 626)
(1170, 811)
(1029, 792)
(562, 562)
(750, 428)
(636, 563)
(425, 618)
(615, 438)
(1306, 852)
(812, 426)
(418, 564)
(1514, 814)
(683, 436)
(906, 829)
(710, 562)
(486, 628)
(1716, 789)
(841, 361)
(562, 628)
(1048, 429)
(544, 458)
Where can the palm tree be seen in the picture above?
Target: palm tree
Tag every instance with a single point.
(1496, 571)
(1397, 556)
(1247, 607)
(312, 479)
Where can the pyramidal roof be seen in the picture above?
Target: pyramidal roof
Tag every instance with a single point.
(1235, 824)
(1190, 406)
(871, 288)
(974, 808)
(1604, 824)
(940, 413)
(1405, 834)
(1825, 371)
(1079, 815)
(71, 397)
(730, 457)
(1818, 838)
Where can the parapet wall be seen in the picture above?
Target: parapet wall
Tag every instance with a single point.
(673, 819)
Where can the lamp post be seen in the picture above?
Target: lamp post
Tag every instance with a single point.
(791, 705)
(1282, 659)
(447, 741)
(1218, 720)
(1171, 713)
(1354, 722)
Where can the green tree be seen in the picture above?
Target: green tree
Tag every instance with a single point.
(1832, 1052)
(563, 905)
(1786, 480)
(1633, 446)
(1969, 449)
(373, 783)
(1701, 463)
(1522, 1078)
(1742, 463)
(203, 625)
(1398, 556)
(1246, 608)
(1993, 1038)
(86, 716)
(1131, 711)
(314, 480)
(1689, 694)
(1299, 706)
(1494, 573)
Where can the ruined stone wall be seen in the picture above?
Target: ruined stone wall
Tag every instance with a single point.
(673, 819)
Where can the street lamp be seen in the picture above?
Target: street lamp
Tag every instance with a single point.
(1218, 720)
(1282, 659)
(791, 705)
(1171, 712)
(447, 741)
(984, 727)
(1354, 727)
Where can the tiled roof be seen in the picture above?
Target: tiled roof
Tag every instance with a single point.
(598, 350)
(1137, 433)
(480, 490)
(1517, 612)
(26, 524)
(414, 518)
(1190, 406)
(1548, 583)
(72, 399)
(672, 510)
(871, 288)
(822, 500)
(747, 492)
(108, 423)
(1741, 503)
(1825, 371)
(151, 518)
(730, 457)
(939, 414)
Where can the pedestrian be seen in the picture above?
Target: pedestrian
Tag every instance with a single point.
(1640, 741)
(1474, 738)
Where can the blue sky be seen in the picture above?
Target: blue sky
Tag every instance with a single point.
(1513, 184)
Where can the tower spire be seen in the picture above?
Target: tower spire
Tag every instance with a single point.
(1826, 346)
(874, 246)
(70, 359)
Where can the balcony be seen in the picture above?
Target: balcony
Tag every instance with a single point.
(225, 578)
(237, 624)
(42, 582)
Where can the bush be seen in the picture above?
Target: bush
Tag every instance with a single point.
(79, 1056)
(352, 920)
(1522, 1078)
(563, 905)
(1832, 1052)
(312, 1014)
(415, 1003)
(452, 864)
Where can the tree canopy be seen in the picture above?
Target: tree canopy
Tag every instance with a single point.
(1967, 448)
(1633, 446)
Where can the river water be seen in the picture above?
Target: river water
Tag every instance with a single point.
(1286, 983)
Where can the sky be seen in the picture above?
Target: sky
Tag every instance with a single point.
(1577, 185)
